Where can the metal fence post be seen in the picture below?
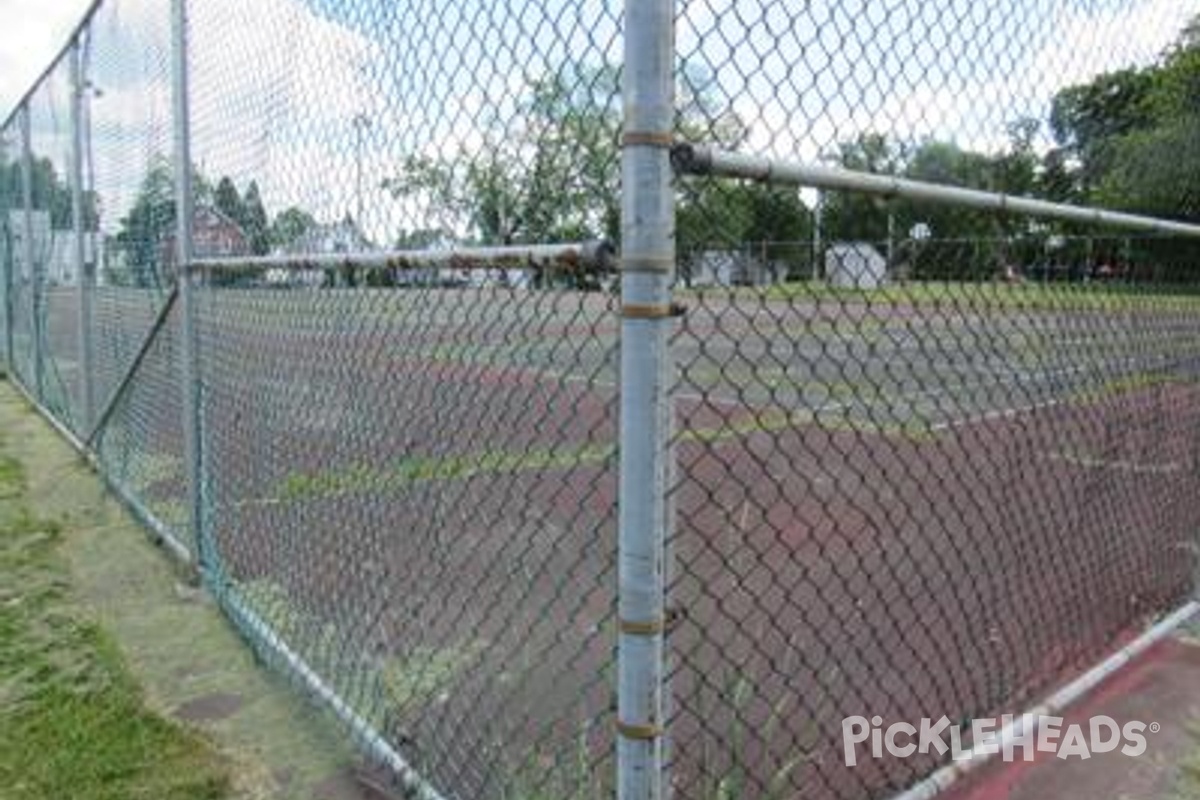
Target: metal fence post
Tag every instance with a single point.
(84, 272)
(7, 266)
(647, 268)
(27, 254)
(189, 374)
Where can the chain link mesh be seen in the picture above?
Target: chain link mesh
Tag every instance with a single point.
(926, 459)
(53, 284)
(932, 461)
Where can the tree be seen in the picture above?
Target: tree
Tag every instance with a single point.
(555, 179)
(147, 230)
(1124, 135)
(764, 217)
(1128, 140)
(48, 192)
(289, 225)
(254, 221)
(861, 217)
(228, 201)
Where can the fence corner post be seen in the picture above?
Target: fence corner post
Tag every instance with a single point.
(189, 373)
(84, 268)
(28, 255)
(647, 274)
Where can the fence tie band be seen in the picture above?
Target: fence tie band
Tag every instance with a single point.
(641, 733)
(657, 311)
(647, 264)
(663, 140)
(642, 628)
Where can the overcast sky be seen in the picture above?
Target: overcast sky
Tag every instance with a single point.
(277, 85)
(32, 34)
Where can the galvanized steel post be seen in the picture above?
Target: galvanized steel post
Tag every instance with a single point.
(27, 256)
(84, 268)
(647, 272)
(189, 373)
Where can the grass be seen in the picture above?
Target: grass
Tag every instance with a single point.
(985, 296)
(414, 470)
(728, 771)
(73, 721)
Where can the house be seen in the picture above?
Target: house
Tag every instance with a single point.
(214, 235)
(336, 237)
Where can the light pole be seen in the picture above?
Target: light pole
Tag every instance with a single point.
(361, 123)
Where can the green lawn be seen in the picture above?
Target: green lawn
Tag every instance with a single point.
(985, 295)
(73, 723)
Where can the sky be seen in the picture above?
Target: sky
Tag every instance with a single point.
(303, 95)
(33, 32)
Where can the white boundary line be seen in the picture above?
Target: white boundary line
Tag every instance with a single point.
(947, 776)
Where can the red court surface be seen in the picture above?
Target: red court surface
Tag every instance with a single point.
(1162, 686)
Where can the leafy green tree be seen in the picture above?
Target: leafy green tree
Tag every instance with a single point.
(1126, 137)
(289, 225)
(853, 216)
(771, 220)
(49, 192)
(556, 178)
(144, 230)
(553, 180)
(147, 230)
(254, 221)
(228, 201)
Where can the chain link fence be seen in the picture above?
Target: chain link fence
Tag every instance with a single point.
(581, 402)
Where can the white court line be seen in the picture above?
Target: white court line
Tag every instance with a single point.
(1119, 465)
(999, 413)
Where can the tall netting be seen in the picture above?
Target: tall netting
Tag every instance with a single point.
(410, 457)
(54, 282)
(127, 169)
(932, 460)
(18, 273)
(9, 202)
(932, 449)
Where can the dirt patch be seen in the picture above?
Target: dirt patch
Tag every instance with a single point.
(209, 707)
(356, 784)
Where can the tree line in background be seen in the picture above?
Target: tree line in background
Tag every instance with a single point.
(141, 247)
(1127, 140)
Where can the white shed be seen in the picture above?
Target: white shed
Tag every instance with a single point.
(855, 265)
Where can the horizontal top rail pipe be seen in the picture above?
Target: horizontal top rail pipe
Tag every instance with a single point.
(597, 253)
(699, 160)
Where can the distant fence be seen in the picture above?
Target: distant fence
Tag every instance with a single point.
(581, 402)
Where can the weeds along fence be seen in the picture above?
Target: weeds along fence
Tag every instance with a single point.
(582, 402)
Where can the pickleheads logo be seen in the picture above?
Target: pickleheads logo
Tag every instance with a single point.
(1004, 736)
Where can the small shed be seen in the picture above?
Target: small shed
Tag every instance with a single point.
(855, 265)
(732, 268)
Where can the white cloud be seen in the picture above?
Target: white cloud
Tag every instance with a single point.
(276, 84)
(947, 70)
(32, 34)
